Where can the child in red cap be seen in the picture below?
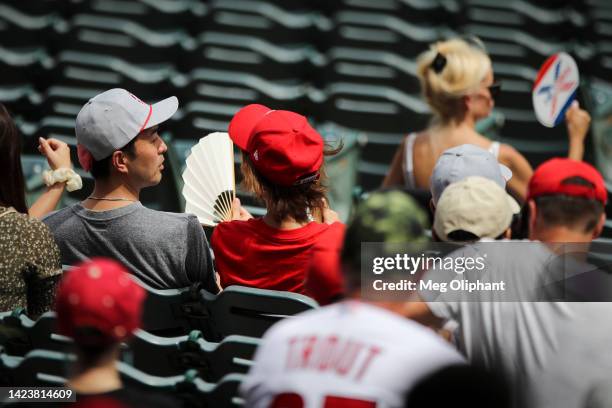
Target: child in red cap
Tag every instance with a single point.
(100, 306)
(283, 166)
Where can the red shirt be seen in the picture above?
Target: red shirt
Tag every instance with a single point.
(324, 281)
(251, 253)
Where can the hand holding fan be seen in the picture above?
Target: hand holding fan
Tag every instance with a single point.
(555, 88)
(210, 187)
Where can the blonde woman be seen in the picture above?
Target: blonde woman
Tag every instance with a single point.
(457, 82)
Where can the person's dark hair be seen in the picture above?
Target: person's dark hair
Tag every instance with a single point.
(12, 187)
(101, 169)
(92, 345)
(463, 386)
(572, 212)
(466, 236)
(293, 201)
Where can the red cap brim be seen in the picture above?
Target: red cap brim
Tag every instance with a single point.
(243, 122)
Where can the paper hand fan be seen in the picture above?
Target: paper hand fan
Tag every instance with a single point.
(210, 186)
(555, 88)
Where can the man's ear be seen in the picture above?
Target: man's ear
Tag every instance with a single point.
(532, 217)
(119, 161)
(600, 226)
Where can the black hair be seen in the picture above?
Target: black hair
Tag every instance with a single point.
(100, 169)
(576, 213)
(466, 236)
(12, 187)
(92, 345)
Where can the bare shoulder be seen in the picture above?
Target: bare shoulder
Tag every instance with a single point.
(512, 158)
(508, 154)
(421, 139)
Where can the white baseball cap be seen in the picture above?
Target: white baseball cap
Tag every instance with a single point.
(110, 120)
(474, 204)
(463, 161)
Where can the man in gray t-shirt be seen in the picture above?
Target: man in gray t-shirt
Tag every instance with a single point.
(555, 353)
(117, 141)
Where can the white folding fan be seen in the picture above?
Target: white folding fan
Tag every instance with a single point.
(210, 186)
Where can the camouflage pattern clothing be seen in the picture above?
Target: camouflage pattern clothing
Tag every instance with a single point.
(389, 217)
(30, 265)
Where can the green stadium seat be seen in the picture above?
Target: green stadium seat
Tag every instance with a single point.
(162, 356)
(250, 311)
(172, 312)
(44, 368)
(20, 334)
(33, 369)
(154, 355)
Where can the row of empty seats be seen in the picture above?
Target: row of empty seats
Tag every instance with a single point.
(350, 63)
(196, 345)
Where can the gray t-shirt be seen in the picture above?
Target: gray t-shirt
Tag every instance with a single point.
(553, 352)
(164, 250)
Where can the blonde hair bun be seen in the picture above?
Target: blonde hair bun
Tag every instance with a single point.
(450, 70)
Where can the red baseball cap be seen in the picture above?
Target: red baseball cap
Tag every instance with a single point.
(99, 294)
(282, 145)
(551, 178)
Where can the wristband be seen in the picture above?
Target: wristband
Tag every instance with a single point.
(63, 175)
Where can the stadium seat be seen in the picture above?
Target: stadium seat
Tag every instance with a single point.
(371, 108)
(242, 88)
(172, 312)
(31, 334)
(384, 31)
(40, 368)
(249, 311)
(37, 368)
(370, 66)
(154, 355)
(161, 356)
(150, 82)
(268, 20)
(236, 310)
(163, 15)
(218, 50)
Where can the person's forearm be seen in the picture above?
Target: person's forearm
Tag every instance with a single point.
(576, 150)
(47, 201)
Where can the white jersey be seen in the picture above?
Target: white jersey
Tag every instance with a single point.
(343, 355)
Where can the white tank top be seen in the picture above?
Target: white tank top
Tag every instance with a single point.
(409, 159)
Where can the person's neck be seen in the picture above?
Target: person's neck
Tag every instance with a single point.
(562, 239)
(288, 223)
(111, 194)
(98, 379)
(467, 126)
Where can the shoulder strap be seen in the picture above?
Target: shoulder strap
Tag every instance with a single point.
(494, 149)
(409, 161)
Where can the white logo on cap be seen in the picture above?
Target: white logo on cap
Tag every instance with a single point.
(256, 155)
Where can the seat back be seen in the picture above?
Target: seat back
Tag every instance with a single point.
(20, 334)
(173, 356)
(251, 311)
(34, 369)
(172, 312)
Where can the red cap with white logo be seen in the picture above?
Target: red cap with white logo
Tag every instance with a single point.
(282, 145)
